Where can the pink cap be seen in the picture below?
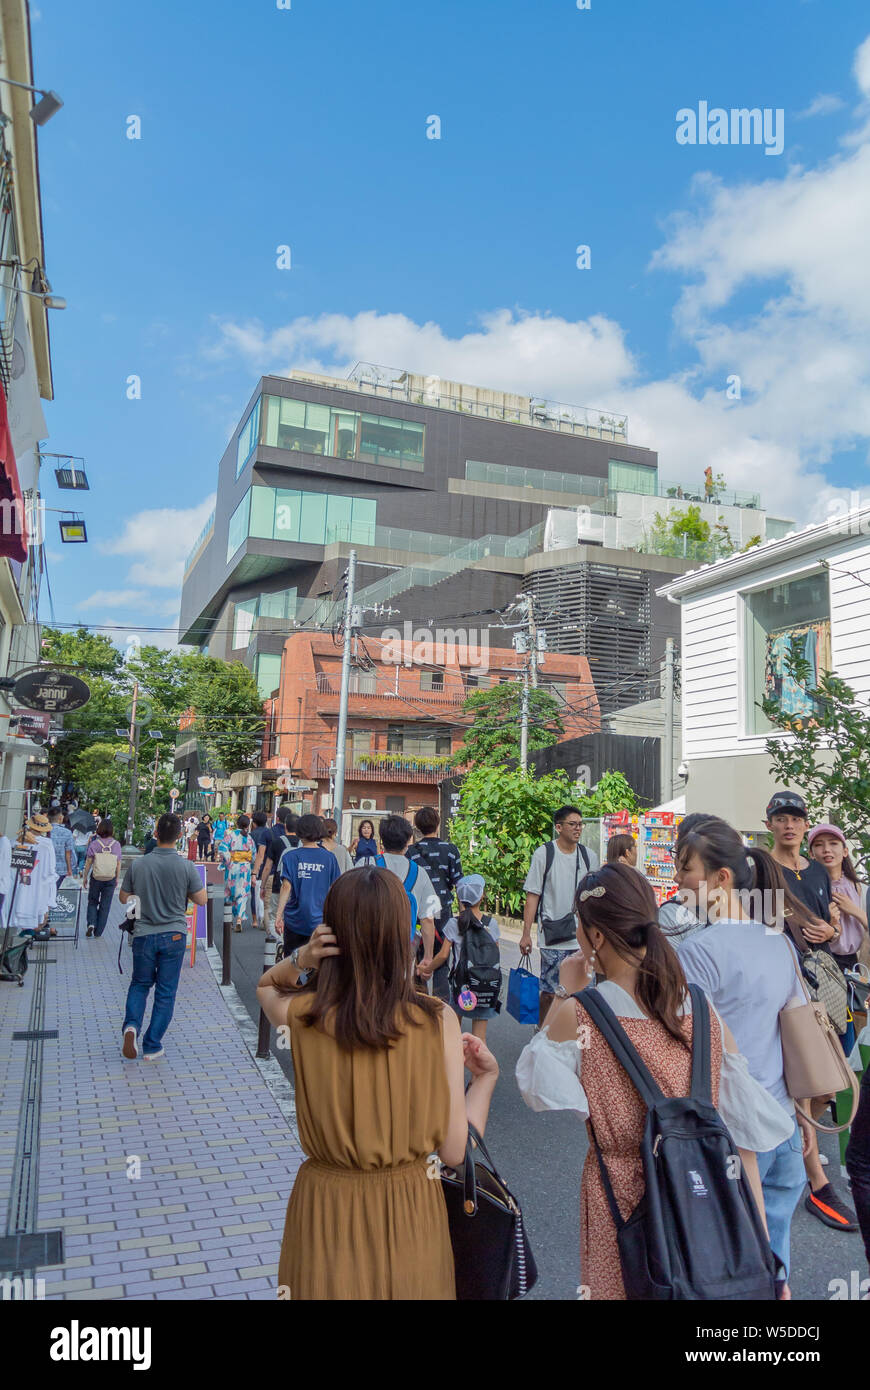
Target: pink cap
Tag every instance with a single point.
(827, 830)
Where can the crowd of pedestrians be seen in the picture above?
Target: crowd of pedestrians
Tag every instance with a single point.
(387, 945)
(382, 961)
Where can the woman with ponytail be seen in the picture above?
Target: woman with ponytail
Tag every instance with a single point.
(750, 971)
(569, 1066)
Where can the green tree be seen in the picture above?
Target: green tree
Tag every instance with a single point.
(613, 793)
(827, 756)
(686, 534)
(503, 817)
(228, 713)
(493, 737)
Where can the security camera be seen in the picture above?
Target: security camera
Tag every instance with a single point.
(683, 771)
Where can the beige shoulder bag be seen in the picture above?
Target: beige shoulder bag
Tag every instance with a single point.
(814, 1064)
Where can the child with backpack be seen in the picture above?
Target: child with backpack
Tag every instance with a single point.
(671, 1198)
(475, 960)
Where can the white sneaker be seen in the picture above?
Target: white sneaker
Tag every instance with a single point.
(153, 1056)
(130, 1045)
(823, 1160)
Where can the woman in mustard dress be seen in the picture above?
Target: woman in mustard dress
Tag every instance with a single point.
(379, 1094)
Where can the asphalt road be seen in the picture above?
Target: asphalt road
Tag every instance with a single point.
(541, 1157)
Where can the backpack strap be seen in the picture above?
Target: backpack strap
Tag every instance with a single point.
(549, 856)
(701, 1080)
(617, 1039)
(380, 861)
(582, 850)
(411, 877)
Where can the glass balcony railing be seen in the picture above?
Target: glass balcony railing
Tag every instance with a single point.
(721, 497)
(539, 479)
(199, 545)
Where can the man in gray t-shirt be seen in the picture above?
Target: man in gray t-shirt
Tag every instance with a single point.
(553, 893)
(162, 885)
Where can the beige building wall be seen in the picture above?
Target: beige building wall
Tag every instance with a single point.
(737, 789)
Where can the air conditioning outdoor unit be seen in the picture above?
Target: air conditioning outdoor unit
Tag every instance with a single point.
(367, 804)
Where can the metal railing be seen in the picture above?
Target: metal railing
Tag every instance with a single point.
(395, 384)
(389, 769)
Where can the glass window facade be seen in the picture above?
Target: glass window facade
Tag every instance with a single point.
(315, 518)
(408, 741)
(238, 528)
(278, 605)
(249, 437)
(631, 477)
(268, 674)
(786, 619)
(301, 426)
(243, 622)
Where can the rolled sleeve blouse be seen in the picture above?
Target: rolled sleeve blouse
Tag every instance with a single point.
(549, 1075)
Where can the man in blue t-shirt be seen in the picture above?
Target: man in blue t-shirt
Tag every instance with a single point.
(307, 874)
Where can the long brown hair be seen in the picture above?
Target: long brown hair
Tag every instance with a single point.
(626, 915)
(770, 879)
(367, 989)
(618, 845)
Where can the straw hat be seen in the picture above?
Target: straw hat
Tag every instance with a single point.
(37, 826)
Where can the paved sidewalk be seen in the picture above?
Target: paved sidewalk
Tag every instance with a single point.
(217, 1156)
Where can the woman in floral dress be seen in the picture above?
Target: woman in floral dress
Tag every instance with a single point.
(237, 857)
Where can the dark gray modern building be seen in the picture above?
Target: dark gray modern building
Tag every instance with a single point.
(443, 489)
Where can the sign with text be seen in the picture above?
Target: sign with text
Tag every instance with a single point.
(52, 690)
(23, 857)
(31, 725)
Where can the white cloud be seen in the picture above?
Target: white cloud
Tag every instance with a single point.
(861, 67)
(115, 598)
(822, 105)
(159, 541)
(792, 244)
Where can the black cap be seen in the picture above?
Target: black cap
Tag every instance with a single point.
(787, 801)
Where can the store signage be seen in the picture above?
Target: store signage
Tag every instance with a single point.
(31, 725)
(23, 857)
(51, 690)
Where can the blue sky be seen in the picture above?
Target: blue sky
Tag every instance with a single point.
(307, 127)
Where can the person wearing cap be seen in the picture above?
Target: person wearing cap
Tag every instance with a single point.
(787, 820)
(36, 889)
(828, 847)
(470, 891)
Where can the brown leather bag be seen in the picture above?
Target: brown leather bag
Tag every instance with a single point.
(814, 1064)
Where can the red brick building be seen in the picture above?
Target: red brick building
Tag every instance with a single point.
(404, 715)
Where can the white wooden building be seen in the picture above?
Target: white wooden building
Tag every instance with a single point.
(738, 618)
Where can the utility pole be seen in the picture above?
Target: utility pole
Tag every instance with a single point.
(134, 767)
(338, 799)
(667, 773)
(154, 778)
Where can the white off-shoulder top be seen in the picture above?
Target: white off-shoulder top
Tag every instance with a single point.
(549, 1075)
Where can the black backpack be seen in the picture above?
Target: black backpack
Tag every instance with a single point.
(478, 965)
(696, 1233)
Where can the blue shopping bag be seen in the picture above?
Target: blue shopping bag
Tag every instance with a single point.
(523, 996)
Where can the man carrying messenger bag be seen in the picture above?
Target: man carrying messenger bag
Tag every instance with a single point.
(550, 887)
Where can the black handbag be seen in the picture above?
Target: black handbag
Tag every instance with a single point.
(490, 1248)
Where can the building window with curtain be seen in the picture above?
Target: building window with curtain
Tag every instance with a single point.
(631, 477)
(304, 427)
(793, 618)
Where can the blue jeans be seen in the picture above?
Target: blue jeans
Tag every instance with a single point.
(157, 961)
(783, 1179)
(101, 891)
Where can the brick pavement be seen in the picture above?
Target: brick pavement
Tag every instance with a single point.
(218, 1156)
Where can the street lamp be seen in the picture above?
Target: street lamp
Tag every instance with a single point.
(48, 105)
